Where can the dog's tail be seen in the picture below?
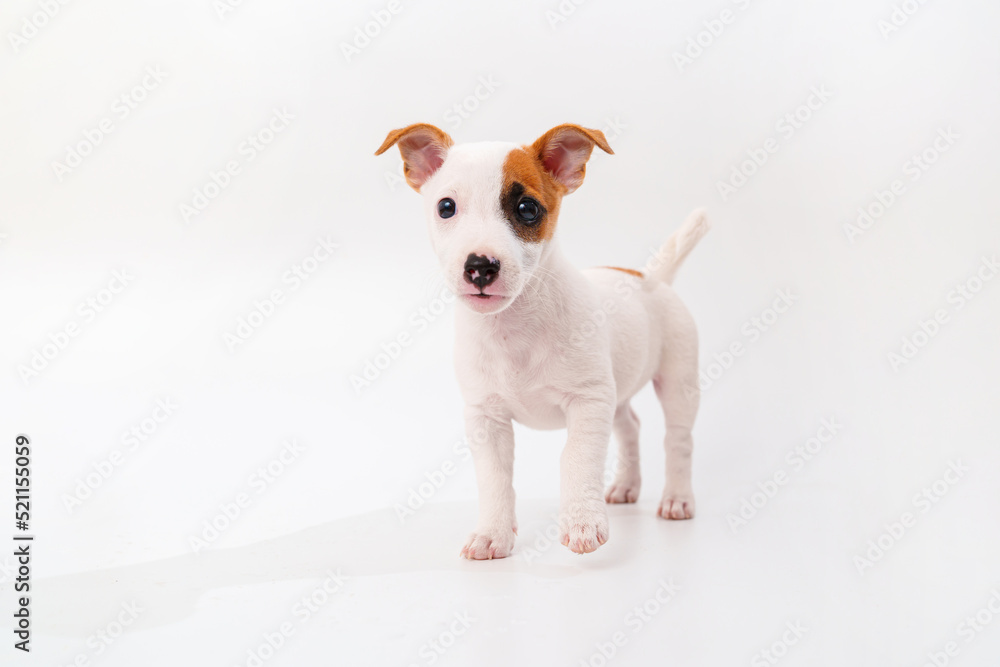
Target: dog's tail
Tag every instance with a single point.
(663, 266)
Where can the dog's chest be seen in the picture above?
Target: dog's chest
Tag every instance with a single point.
(527, 376)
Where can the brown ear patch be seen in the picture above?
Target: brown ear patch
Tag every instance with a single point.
(637, 274)
(423, 148)
(524, 176)
(564, 150)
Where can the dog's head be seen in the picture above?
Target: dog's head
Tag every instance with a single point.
(492, 207)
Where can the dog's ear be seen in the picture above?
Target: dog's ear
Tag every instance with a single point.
(564, 151)
(423, 148)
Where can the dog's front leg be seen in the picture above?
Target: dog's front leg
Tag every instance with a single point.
(491, 439)
(583, 517)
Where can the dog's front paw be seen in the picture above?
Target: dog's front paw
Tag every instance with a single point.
(676, 506)
(489, 544)
(584, 532)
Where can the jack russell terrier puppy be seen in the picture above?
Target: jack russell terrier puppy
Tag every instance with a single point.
(545, 344)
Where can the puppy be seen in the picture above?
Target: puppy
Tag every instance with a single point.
(544, 344)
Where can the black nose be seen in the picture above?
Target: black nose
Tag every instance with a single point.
(481, 270)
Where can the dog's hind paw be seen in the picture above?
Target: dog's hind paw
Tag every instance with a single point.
(676, 506)
(623, 491)
(487, 545)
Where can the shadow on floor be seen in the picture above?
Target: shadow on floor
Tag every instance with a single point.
(366, 545)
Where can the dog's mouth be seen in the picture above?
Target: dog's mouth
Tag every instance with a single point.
(483, 302)
(483, 296)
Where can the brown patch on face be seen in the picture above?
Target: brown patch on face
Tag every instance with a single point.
(525, 177)
(637, 274)
(542, 172)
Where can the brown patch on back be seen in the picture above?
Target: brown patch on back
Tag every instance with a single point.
(637, 274)
(525, 176)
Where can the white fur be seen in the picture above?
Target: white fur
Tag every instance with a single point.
(565, 349)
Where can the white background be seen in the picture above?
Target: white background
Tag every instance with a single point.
(682, 128)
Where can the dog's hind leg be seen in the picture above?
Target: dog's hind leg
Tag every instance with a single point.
(676, 386)
(625, 487)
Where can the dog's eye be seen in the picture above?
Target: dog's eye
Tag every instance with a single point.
(446, 207)
(528, 210)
